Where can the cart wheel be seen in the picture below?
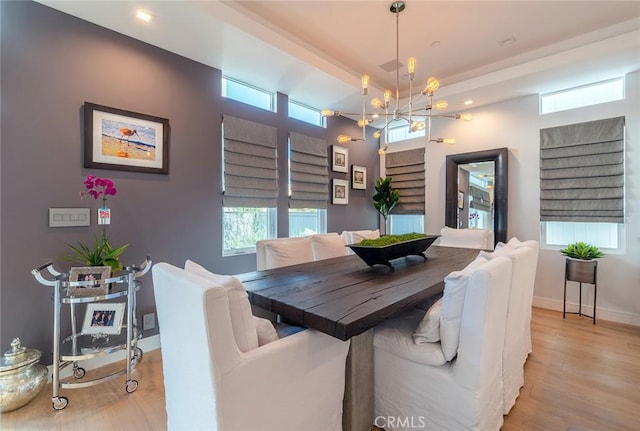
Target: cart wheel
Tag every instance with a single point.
(79, 372)
(137, 355)
(59, 402)
(131, 386)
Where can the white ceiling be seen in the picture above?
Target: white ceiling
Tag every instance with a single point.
(316, 51)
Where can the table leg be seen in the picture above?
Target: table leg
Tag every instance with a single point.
(357, 412)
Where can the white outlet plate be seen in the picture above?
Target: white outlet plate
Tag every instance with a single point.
(148, 321)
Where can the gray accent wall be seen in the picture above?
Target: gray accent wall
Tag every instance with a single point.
(51, 63)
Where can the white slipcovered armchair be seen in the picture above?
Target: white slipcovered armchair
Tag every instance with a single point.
(517, 341)
(455, 383)
(294, 383)
(467, 238)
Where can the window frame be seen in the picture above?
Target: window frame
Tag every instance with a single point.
(271, 228)
(322, 120)
(271, 94)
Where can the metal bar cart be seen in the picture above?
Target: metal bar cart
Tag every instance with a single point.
(81, 346)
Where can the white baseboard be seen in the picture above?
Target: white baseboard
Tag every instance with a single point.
(603, 313)
(146, 344)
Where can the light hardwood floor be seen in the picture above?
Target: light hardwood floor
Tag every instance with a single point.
(579, 377)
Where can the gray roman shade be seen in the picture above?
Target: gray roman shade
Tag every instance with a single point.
(480, 199)
(582, 172)
(309, 172)
(250, 164)
(407, 170)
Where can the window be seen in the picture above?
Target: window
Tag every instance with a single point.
(306, 113)
(307, 221)
(582, 184)
(250, 184)
(248, 94)
(403, 133)
(587, 95)
(604, 235)
(406, 223)
(242, 227)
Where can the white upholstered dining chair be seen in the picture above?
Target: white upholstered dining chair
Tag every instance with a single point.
(517, 341)
(293, 383)
(279, 252)
(455, 383)
(467, 238)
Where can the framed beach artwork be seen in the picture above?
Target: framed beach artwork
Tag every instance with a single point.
(340, 159)
(340, 192)
(124, 140)
(358, 177)
(103, 318)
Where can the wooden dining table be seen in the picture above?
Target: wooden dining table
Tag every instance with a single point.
(345, 298)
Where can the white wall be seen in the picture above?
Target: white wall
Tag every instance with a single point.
(516, 124)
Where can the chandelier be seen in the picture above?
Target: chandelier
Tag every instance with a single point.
(417, 113)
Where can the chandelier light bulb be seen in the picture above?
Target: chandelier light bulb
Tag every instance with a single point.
(377, 134)
(417, 125)
(432, 85)
(365, 83)
(363, 122)
(387, 97)
(377, 103)
(327, 113)
(449, 141)
(343, 139)
(411, 66)
(466, 117)
(440, 105)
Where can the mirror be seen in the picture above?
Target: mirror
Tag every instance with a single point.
(490, 204)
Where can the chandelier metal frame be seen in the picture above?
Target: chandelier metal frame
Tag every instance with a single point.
(417, 117)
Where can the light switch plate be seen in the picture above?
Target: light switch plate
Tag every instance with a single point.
(68, 217)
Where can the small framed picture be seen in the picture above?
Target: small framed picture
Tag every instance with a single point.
(340, 192)
(340, 159)
(103, 318)
(92, 278)
(460, 200)
(358, 177)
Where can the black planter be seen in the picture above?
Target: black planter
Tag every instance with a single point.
(382, 255)
(580, 271)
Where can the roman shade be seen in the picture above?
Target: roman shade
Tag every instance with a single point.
(480, 199)
(250, 164)
(309, 172)
(407, 170)
(582, 172)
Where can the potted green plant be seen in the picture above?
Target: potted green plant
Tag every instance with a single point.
(385, 199)
(581, 265)
(583, 251)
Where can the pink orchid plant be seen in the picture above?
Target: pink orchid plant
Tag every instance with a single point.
(98, 187)
(101, 253)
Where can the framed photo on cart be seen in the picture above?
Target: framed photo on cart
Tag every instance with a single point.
(340, 159)
(103, 318)
(340, 192)
(358, 177)
(91, 277)
(124, 140)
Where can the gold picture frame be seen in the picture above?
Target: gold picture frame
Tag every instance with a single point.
(88, 281)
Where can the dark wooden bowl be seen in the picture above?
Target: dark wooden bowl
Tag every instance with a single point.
(382, 255)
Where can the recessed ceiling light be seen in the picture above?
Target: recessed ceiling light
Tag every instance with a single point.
(435, 44)
(468, 102)
(143, 15)
(507, 41)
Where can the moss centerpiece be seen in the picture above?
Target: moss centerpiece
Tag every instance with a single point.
(382, 250)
